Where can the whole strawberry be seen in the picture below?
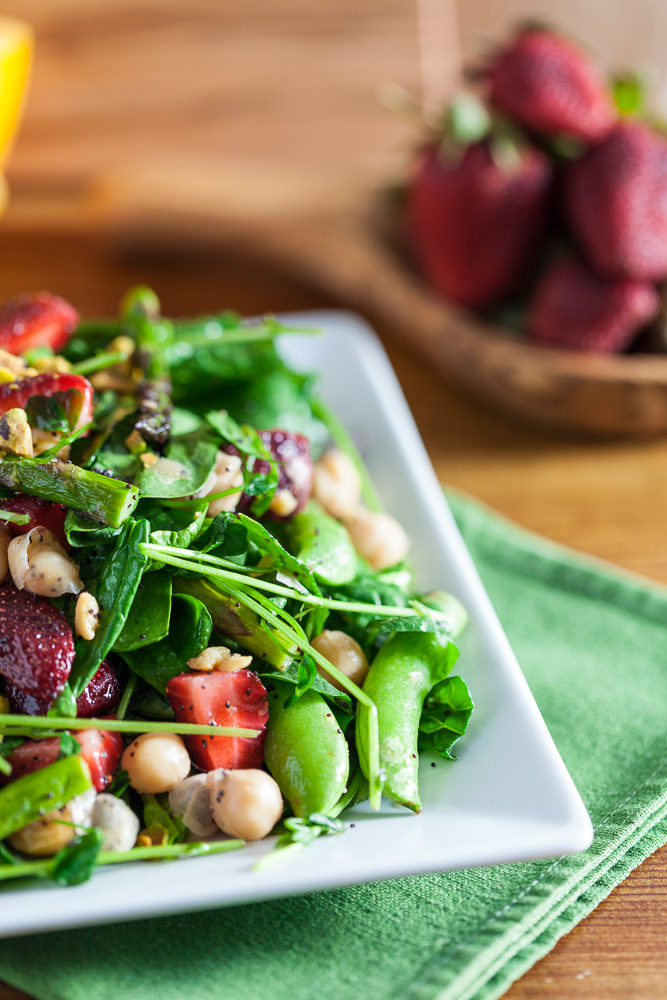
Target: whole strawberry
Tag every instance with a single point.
(36, 644)
(616, 203)
(573, 307)
(550, 86)
(474, 224)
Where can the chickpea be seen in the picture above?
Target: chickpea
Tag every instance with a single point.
(191, 799)
(337, 484)
(39, 563)
(245, 803)
(5, 539)
(227, 475)
(87, 615)
(155, 762)
(379, 538)
(119, 824)
(345, 653)
(46, 836)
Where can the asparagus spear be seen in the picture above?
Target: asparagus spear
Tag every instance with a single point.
(41, 792)
(109, 501)
(140, 310)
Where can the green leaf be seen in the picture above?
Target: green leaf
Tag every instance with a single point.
(152, 705)
(339, 701)
(74, 864)
(82, 531)
(410, 625)
(190, 627)
(306, 674)
(629, 93)
(447, 709)
(7, 858)
(195, 453)
(226, 536)
(115, 591)
(468, 120)
(148, 618)
(249, 443)
(9, 744)
(69, 746)
(120, 783)
(177, 526)
(156, 812)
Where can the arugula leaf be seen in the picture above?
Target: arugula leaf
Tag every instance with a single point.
(447, 709)
(195, 453)
(74, 864)
(156, 813)
(189, 631)
(58, 412)
(148, 618)
(115, 591)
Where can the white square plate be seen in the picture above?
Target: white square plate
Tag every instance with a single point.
(507, 798)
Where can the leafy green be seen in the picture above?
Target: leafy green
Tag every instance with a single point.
(74, 864)
(226, 536)
(172, 525)
(195, 453)
(151, 704)
(9, 744)
(447, 709)
(156, 812)
(148, 618)
(82, 531)
(189, 631)
(249, 443)
(120, 783)
(115, 591)
(423, 624)
(69, 746)
(58, 412)
(6, 856)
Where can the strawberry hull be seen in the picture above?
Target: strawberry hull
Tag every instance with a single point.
(237, 699)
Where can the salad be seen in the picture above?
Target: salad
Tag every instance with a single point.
(208, 628)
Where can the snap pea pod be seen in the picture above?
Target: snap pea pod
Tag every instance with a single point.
(400, 677)
(41, 792)
(306, 752)
(323, 543)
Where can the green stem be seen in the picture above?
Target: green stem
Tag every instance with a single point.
(161, 553)
(296, 635)
(122, 726)
(127, 696)
(100, 361)
(109, 501)
(42, 869)
(5, 767)
(279, 855)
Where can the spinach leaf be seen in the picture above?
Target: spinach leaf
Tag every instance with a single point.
(148, 618)
(74, 864)
(115, 590)
(423, 624)
(176, 526)
(189, 631)
(156, 813)
(150, 703)
(339, 701)
(195, 453)
(82, 530)
(447, 709)
(226, 536)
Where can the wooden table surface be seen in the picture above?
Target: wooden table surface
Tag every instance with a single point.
(118, 80)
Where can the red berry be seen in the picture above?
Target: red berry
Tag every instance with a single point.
(101, 750)
(18, 393)
(616, 203)
(295, 468)
(473, 226)
(36, 644)
(551, 86)
(41, 320)
(237, 698)
(42, 513)
(577, 309)
(31, 756)
(101, 694)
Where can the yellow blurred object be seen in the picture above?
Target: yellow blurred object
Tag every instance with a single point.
(16, 45)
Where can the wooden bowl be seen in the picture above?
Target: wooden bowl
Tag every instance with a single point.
(332, 235)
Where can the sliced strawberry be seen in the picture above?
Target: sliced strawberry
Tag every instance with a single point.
(19, 392)
(237, 699)
(31, 756)
(41, 320)
(36, 643)
(44, 513)
(101, 750)
(102, 693)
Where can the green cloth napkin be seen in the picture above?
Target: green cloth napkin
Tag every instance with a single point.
(592, 642)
